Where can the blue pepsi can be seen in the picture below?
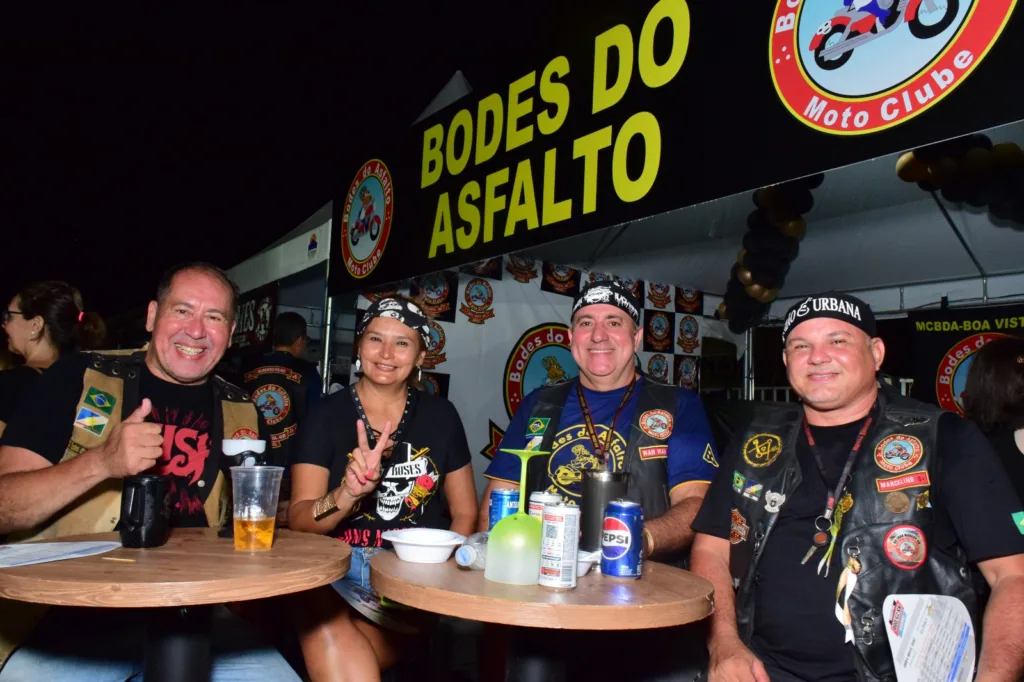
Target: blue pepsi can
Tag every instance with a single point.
(622, 539)
(504, 502)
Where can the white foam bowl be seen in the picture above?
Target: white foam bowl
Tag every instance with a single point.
(424, 545)
(585, 561)
(236, 446)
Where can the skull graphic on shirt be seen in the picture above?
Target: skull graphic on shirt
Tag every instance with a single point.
(406, 486)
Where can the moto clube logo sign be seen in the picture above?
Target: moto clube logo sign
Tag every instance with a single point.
(500, 196)
(850, 67)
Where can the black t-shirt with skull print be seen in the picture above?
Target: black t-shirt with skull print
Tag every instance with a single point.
(411, 488)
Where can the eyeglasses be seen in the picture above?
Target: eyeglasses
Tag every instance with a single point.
(5, 317)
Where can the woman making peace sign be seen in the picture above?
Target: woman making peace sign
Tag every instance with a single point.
(377, 456)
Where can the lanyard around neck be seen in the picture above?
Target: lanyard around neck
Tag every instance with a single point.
(833, 497)
(599, 449)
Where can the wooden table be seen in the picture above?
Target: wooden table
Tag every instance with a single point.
(194, 568)
(663, 597)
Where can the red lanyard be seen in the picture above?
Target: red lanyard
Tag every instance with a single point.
(599, 449)
(830, 503)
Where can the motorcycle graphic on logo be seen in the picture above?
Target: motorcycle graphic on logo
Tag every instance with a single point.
(862, 21)
(368, 222)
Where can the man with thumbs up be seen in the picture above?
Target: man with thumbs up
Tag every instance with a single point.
(99, 417)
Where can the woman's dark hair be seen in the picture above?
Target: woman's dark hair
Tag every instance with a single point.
(994, 393)
(413, 381)
(60, 305)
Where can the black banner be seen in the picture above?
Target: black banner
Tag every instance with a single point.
(944, 342)
(645, 107)
(254, 322)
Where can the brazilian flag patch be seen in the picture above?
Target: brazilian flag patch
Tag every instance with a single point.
(101, 400)
(538, 426)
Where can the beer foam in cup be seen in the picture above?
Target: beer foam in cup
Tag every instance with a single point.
(236, 446)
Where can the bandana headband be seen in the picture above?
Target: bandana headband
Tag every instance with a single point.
(609, 293)
(832, 305)
(409, 314)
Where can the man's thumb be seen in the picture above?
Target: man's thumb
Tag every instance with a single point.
(141, 412)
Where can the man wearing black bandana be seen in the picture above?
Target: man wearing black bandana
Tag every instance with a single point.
(613, 417)
(824, 509)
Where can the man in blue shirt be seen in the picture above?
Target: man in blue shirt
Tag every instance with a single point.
(659, 434)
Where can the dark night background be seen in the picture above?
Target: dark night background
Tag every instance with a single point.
(137, 137)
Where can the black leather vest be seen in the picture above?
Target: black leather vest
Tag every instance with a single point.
(648, 478)
(892, 543)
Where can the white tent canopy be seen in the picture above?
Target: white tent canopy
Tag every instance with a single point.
(868, 232)
(289, 255)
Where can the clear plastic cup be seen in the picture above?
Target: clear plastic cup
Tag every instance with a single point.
(255, 491)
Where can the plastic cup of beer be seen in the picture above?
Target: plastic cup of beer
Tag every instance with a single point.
(255, 490)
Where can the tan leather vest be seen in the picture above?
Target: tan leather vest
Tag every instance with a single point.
(111, 378)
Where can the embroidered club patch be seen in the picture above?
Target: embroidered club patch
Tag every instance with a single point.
(906, 547)
(898, 453)
(773, 502)
(91, 421)
(709, 456)
(245, 434)
(762, 449)
(915, 480)
(738, 529)
(656, 423)
(101, 400)
(654, 452)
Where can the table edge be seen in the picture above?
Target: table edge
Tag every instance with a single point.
(655, 616)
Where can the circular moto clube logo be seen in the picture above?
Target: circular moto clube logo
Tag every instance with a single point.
(366, 221)
(657, 367)
(656, 423)
(273, 402)
(898, 453)
(479, 297)
(951, 377)
(906, 547)
(850, 67)
(541, 357)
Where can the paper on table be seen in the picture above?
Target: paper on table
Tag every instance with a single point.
(931, 637)
(42, 552)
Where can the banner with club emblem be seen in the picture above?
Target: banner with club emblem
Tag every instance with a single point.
(945, 342)
(501, 330)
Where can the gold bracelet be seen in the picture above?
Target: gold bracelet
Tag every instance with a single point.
(324, 507)
(650, 540)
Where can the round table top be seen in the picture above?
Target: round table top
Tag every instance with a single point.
(664, 596)
(194, 567)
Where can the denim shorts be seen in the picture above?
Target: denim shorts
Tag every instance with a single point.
(355, 588)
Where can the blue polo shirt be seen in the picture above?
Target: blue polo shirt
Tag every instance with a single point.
(691, 455)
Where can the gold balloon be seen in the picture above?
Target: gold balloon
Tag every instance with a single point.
(942, 171)
(768, 197)
(1007, 155)
(768, 296)
(743, 275)
(976, 163)
(722, 311)
(755, 291)
(795, 228)
(909, 168)
(779, 215)
(739, 257)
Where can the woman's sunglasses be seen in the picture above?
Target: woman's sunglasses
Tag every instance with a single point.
(5, 317)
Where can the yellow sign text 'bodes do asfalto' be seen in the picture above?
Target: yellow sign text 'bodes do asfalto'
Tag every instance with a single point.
(506, 123)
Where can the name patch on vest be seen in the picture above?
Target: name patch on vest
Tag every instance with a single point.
(656, 423)
(898, 453)
(762, 449)
(906, 547)
(739, 529)
(915, 480)
(654, 452)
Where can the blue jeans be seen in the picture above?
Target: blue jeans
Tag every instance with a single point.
(355, 588)
(92, 645)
